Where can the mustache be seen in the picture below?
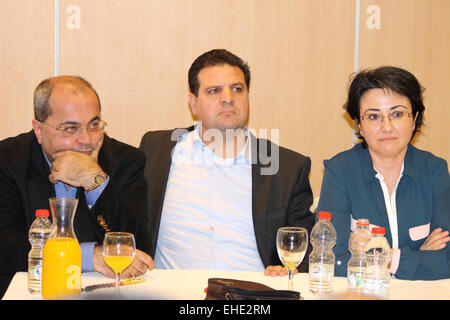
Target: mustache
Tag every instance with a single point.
(85, 148)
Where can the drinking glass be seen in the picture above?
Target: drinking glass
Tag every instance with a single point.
(118, 252)
(292, 243)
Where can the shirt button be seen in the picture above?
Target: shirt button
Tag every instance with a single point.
(338, 262)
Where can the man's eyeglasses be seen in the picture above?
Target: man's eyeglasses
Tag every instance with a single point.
(376, 118)
(72, 130)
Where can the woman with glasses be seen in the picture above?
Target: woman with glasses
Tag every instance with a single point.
(388, 181)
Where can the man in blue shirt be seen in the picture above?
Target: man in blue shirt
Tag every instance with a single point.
(217, 194)
(68, 155)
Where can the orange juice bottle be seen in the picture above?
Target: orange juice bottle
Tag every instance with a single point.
(61, 259)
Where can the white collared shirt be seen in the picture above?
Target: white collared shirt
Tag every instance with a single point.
(391, 206)
(206, 220)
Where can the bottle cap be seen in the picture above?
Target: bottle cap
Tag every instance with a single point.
(378, 231)
(323, 215)
(42, 213)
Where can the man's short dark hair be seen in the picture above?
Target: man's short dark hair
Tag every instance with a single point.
(214, 58)
(390, 78)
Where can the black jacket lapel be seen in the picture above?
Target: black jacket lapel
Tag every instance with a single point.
(261, 186)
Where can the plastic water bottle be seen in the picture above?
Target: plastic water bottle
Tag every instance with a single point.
(321, 259)
(378, 256)
(39, 232)
(357, 264)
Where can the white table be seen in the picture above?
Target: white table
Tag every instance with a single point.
(190, 285)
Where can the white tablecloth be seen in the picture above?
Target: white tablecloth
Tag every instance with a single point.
(191, 284)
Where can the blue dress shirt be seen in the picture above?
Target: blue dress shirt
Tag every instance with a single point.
(65, 191)
(206, 221)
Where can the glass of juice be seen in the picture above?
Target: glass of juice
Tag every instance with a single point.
(292, 243)
(118, 252)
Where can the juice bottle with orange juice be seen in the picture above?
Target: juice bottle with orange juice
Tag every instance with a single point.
(61, 260)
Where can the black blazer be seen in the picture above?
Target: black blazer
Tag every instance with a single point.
(25, 187)
(278, 200)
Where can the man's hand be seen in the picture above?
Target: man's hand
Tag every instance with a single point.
(99, 263)
(141, 263)
(75, 168)
(437, 240)
(274, 271)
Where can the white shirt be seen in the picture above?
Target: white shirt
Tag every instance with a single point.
(391, 206)
(206, 220)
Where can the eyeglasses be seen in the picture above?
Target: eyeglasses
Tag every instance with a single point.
(72, 130)
(376, 118)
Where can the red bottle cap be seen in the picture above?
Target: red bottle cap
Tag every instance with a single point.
(362, 223)
(378, 231)
(42, 213)
(323, 215)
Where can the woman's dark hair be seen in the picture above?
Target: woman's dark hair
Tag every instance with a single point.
(213, 58)
(395, 79)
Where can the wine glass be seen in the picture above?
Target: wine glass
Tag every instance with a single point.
(292, 243)
(118, 252)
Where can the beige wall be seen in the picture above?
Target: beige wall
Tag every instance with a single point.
(301, 53)
(415, 35)
(26, 57)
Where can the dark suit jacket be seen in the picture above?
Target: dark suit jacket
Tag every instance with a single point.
(278, 200)
(25, 187)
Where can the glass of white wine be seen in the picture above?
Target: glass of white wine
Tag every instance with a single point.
(292, 243)
(118, 252)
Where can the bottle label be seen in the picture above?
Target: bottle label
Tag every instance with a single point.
(355, 278)
(37, 271)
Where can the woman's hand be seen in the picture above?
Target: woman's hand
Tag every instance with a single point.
(437, 240)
